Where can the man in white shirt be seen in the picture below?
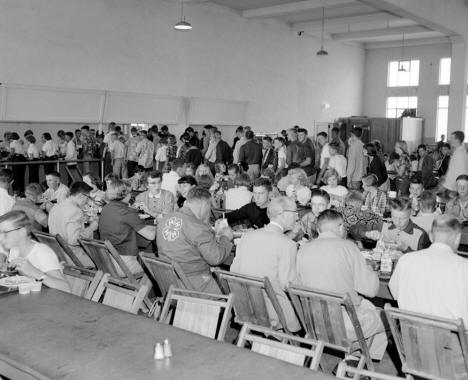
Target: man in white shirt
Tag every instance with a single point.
(356, 159)
(334, 264)
(110, 130)
(66, 219)
(6, 200)
(322, 139)
(434, 280)
(458, 163)
(117, 151)
(169, 180)
(145, 151)
(337, 162)
(56, 192)
(427, 213)
(242, 140)
(268, 252)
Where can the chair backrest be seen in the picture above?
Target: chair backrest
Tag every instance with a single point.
(106, 258)
(164, 273)
(59, 246)
(83, 282)
(428, 346)
(321, 315)
(206, 314)
(282, 346)
(251, 295)
(120, 294)
(74, 173)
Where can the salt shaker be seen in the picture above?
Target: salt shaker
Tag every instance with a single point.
(158, 351)
(167, 349)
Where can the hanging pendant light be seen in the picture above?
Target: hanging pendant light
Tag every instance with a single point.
(322, 50)
(182, 24)
(401, 67)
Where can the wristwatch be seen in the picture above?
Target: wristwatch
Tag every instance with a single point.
(41, 277)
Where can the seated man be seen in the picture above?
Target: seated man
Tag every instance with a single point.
(120, 224)
(427, 211)
(255, 213)
(185, 183)
(56, 191)
(268, 252)
(319, 201)
(434, 280)
(401, 231)
(29, 205)
(458, 206)
(66, 219)
(186, 237)
(333, 264)
(155, 201)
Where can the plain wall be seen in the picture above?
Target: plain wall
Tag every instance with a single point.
(130, 45)
(375, 83)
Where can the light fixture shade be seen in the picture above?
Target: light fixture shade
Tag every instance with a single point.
(322, 51)
(183, 25)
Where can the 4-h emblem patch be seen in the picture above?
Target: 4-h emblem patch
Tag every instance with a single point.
(172, 229)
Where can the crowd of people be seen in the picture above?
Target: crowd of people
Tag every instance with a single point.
(294, 208)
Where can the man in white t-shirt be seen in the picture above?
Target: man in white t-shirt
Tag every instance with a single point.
(169, 180)
(337, 162)
(322, 139)
(57, 192)
(6, 200)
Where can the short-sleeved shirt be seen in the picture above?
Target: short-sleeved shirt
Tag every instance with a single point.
(119, 224)
(50, 148)
(41, 257)
(324, 154)
(18, 147)
(33, 151)
(145, 152)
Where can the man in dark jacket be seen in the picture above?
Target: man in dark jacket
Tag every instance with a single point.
(426, 168)
(250, 154)
(223, 150)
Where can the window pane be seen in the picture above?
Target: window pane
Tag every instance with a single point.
(444, 71)
(391, 102)
(443, 101)
(396, 105)
(413, 102)
(442, 118)
(392, 74)
(391, 112)
(403, 73)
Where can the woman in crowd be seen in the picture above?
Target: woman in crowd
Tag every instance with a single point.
(28, 257)
(337, 192)
(374, 198)
(203, 170)
(298, 188)
(240, 195)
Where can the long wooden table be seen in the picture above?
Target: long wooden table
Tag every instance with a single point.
(67, 337)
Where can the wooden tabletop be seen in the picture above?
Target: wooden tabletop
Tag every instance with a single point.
(67, 337)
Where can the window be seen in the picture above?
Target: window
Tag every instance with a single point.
(397, 104)
(444, 70)
(403, 73)
(466, 116)
(442, 115)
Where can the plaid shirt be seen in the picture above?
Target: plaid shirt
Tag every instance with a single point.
(376, 203)
(171, 152)
(88, 143)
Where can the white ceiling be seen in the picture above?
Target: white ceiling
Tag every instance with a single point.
(362, 21)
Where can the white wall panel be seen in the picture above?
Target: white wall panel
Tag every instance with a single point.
(216, 111)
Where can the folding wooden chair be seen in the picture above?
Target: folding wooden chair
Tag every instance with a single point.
(163, 273)
(344, 369)
(59, 246)
(83, 282)
(74, 173)
(286, 347)
(202, 313)
(321, 315)
(251, 295)
(106, 258)
(120, 294)
(428, 346)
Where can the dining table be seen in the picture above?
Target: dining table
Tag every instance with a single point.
(56, 335)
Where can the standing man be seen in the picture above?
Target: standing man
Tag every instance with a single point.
(445, 159)
(268, 153)
(117, 151)
(186, 237)
(268, 252)
(356, 159)
(426, 168)
(292, 149)
(322, 139)
(88, 142)
(458, 164)
(237, 145)
(207, 139)
(131, 157)
(307, 154)
(6, 200)
(223, 150)
(334, 264)
(145, 151)
(335, 134)
(251, 154)
(210, 155)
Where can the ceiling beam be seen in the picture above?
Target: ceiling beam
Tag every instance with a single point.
(411, 42)
(300, 6)
(347, 20)
(374, 33)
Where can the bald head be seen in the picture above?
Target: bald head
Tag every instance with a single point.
(282, 210)
(446, 229)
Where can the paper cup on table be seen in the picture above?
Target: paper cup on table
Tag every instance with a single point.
(392, 194)
(36, 286)
(24, 288)
(364, 208)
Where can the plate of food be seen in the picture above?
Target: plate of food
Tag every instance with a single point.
(15, 281)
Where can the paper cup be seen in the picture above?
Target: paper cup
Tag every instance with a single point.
(364, 208)
(24, 288)
(36, 286)
(392, 194)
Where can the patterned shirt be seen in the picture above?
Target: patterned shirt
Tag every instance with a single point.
(145, 151)
(88, 142)
(376, 202)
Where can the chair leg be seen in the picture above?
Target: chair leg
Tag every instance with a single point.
(317, 356)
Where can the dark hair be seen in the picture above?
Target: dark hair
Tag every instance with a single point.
(14, 136)
(133, 129)
(217, 132)
(428, 200)
(422, 146)
(249, 135)
(198, 193)
(394, 156)
(445, 145)
(335, 130)
(323, 134)
(240, 129)
(459, 135)
(6, 176)
(462, 177)
(293, 165)
(193, 141)
(371, 149)
(263, 182)
(205, 181)
(165, 128)
(416, 180)
(53, 174)
(400, 204)
(85, 127)
(80, 187)
(234, 167)
(69, 134)
(187, 179)
(280, 139)
(357, 131)
(208, 127)
(320, 193)
(47, 136)
(267, 138)
(154, 174)
(31, 139)
(177, 163)
(189, 129)
(328, 215)
(61, 133)
(302, 130)
(446, 223)
(28, 133)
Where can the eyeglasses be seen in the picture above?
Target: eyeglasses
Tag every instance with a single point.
(6, 232)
